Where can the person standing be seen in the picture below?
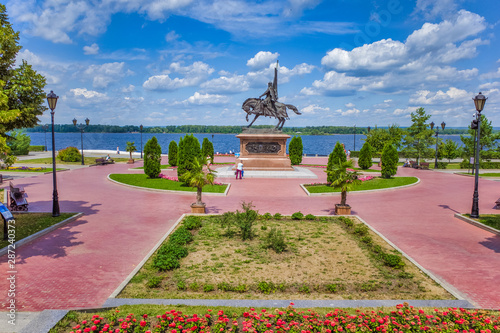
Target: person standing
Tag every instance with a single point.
(239, 170)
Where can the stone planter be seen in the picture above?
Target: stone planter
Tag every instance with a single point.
(198, 208)
(130, 161)
(342, 210)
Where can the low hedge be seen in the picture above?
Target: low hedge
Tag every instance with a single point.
(37, 148)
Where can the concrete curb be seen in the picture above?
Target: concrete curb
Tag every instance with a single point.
(448, 287)
(477, 224)
(354, 192)
(146, 258)
(41, 233)
(171, 191)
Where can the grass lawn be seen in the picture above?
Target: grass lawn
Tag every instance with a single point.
(325, 258)
(324, 167)
(29, 223)
(87, 160)
(163, 166)
(142, 180)
(491, 220)
(373, 184)
(490, 174)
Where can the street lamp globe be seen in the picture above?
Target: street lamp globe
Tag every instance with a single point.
(52, 100)
(479, 102)
(443, 124)
(432, 125)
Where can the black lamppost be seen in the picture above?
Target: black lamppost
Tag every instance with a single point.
(443, 125)
(354, 138)
(368, 128)
(52, 100)
(479, 102)
(141, 127)
(45, 128)
(473, 126)
(82, 127)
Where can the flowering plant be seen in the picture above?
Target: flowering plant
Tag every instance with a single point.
(404, 319)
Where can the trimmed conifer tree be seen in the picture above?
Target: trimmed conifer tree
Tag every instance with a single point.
(389, 161)
(365, 156)
(172, 153)
(207, 149)
(152, 158)
(295, 149)
(189, 150)
(336, 157)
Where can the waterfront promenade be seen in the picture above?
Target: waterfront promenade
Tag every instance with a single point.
(82, 263)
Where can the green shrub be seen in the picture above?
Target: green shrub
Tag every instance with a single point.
(152, 158)
(389, 161)
(181, 285)
(165, 262)
(310, 217)
(347, 221)
(369, 286)
(277, 216)
(192, 222)
(175, 250)
(241, 288)
(189, 151)
(266, 216)
(245, 220)
(304, 289)
(37, 148)
(208, 288)
(207, 149)
(295, 150)
(275, 240)
(393, 260)
(194, 286)
(405, 275)
(297, 216)
(331, 287)
(366, 239)
(69, 154)
(442, 165)
(181, 236)
(365, 156)
(154, 282)
(172, 153)
(224, 286)
(266, 287)
(361, 230)
(336, 157)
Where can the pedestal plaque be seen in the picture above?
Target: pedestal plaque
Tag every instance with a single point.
(262, 149)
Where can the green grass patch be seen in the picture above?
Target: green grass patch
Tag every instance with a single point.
(143, 180)
(491, 220)
(490, 174)
(373, 184)
(87, 160)
(28, 224)
(453, 166)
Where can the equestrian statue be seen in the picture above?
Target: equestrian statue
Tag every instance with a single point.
(269, 106)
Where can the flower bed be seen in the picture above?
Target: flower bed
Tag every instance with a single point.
(175, 179)
(26, 169)
(405, 318)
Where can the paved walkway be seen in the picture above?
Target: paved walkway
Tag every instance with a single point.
(81, 264)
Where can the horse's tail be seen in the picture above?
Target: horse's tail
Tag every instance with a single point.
(293, 108)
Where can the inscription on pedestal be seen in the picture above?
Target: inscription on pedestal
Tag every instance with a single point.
(263, 147)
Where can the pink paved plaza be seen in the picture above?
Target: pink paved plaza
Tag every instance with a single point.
(82, 263)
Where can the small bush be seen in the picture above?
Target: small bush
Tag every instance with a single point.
(347, 221)
(275, 240)
(297, 216)
(310, 217)
(266, 287)
(365, 156)
(154, 282)
(192, 222)
(224, 286)
(405, 275)
(266, 216)
(194, 286)
(263, 227)
(152, 158)
(37, 148)
(393, 260)
(305, 289)
(366, 239)
(181, 236)
(368, 286)
(361, 230)
(331, 287)
(166, 262)
(181, 285)
(389, 160)
(241, 288)
(277, 216)
(442, 165)
(174, 250)
(208, 288)
(70, 154)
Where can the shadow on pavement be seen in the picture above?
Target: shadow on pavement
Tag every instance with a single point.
(492, 243)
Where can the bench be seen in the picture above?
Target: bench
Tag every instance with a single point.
(102, 161)
(497, 204)
(424, 165)
(414, 164)
(18, 197)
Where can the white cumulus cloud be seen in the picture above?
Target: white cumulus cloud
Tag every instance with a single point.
(92, 49)
(262, 59)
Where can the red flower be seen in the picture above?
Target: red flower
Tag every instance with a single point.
(143, 323)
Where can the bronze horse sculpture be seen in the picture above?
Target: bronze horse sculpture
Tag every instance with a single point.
(257, 107)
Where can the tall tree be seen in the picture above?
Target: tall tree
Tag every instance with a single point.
(389, 161)
(365, 156)
(189, 151)
(418, 136)
(295, 150)
(488, 139)
(207, 149)
(172, 153)
(378, 137)
(152, 158)
(336, 157)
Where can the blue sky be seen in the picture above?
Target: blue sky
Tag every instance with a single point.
(342, 62)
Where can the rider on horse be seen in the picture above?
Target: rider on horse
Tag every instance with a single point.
(269, 108)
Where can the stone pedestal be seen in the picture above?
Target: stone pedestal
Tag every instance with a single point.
(264, 150)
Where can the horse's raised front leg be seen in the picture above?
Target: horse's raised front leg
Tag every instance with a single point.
(282, 123)
(254, 119)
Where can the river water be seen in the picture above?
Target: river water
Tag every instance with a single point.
(223, 143)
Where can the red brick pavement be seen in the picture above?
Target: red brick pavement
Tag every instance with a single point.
(81, 264)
